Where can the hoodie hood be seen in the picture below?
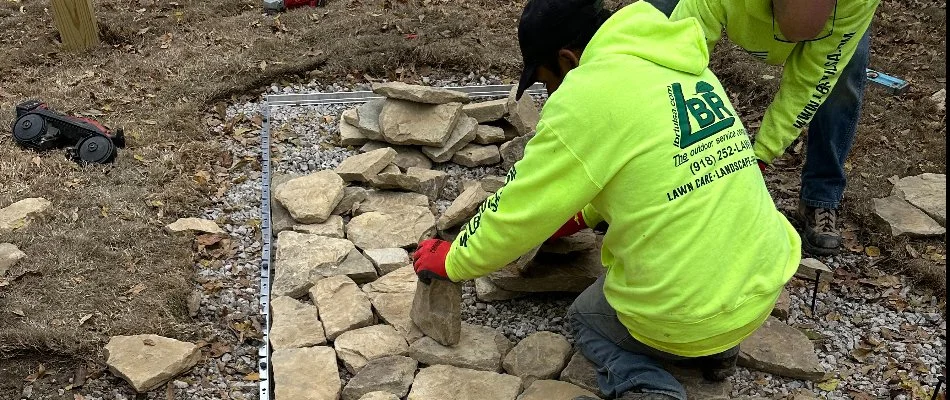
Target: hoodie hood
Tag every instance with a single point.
(641, 30)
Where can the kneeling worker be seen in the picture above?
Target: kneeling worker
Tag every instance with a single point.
(637, 132)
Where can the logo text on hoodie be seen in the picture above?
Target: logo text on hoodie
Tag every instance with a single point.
(705, 108)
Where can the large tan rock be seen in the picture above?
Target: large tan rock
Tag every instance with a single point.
(343, 306)
(148, 361)
(905, 219)
(295, 324)
(585, 240)
(475, 155)
(306, 374)
(19, 214)
(553, 390)
(462, 135)
(280, 219)
(392, 297)
(363, 167)
(523, 114)
(512, 151)
(406, 156)
(487, 111)
(581, 372)
(9, 256)
(463, 207)
(332, 227)
(423, 181)
(311, 198)
(379, 396)
(444, 382)
(928, 192)
(352, 197)
(350, 134)
(810, 268)
(437, 310)
(420, 94)
(302, 259)
(392, 374)
(541, 355)
(488, 134)
(479, 347)
(405, 122)
(404, 227)
(782, 305)
(551, 273)
(388, 202)
(357, 347)
(779, 349)
(367, 118)
(487, 291)
(388, 260)
(194, 225)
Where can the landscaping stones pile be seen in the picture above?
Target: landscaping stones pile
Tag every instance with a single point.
(424, 124)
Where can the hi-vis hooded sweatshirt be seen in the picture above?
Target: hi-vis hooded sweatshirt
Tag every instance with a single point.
(642, 135)
(812, 68)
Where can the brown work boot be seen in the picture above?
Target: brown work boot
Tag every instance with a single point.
(820, 234)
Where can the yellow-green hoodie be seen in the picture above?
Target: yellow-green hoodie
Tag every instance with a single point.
(812, 68)
(642, 135)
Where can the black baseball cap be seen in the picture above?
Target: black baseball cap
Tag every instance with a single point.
(547, 26)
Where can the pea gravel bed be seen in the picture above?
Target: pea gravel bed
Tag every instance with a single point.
(882, 338)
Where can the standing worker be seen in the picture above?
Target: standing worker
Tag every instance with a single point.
(638, 133)
(824, 46)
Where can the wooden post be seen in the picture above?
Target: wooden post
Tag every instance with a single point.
(76, 24)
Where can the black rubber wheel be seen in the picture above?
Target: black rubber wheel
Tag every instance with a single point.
(29, 130)
(96, 149)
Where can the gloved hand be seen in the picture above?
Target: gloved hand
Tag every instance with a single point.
(429, 260)
(762, 166)
(572, 226)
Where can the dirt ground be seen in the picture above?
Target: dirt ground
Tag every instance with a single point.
(163, 66)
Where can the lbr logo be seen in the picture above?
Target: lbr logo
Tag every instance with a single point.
(711, 114)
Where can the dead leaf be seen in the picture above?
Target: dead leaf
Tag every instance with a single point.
(149, 122)
(84, 318)
(18, 311)
(828, 385)
(148, 342)
(39, 374)
(872, 251)
(253, 377)
(912, 252)
(219, 348)
(134, 290)
(861, 354)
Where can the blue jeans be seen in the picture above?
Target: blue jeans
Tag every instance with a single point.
(831, 132)
(623, 363)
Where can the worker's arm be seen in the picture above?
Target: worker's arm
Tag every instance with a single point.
(810, 72)
(800, 20)
(544, 189)
(710, 14)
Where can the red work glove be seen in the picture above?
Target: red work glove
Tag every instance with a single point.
(572, 226)
(429, 260)
(762, 166)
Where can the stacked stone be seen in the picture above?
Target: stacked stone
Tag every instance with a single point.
(344, 288)
(427, 124)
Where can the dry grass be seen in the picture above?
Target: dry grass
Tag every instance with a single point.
(157, 74)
